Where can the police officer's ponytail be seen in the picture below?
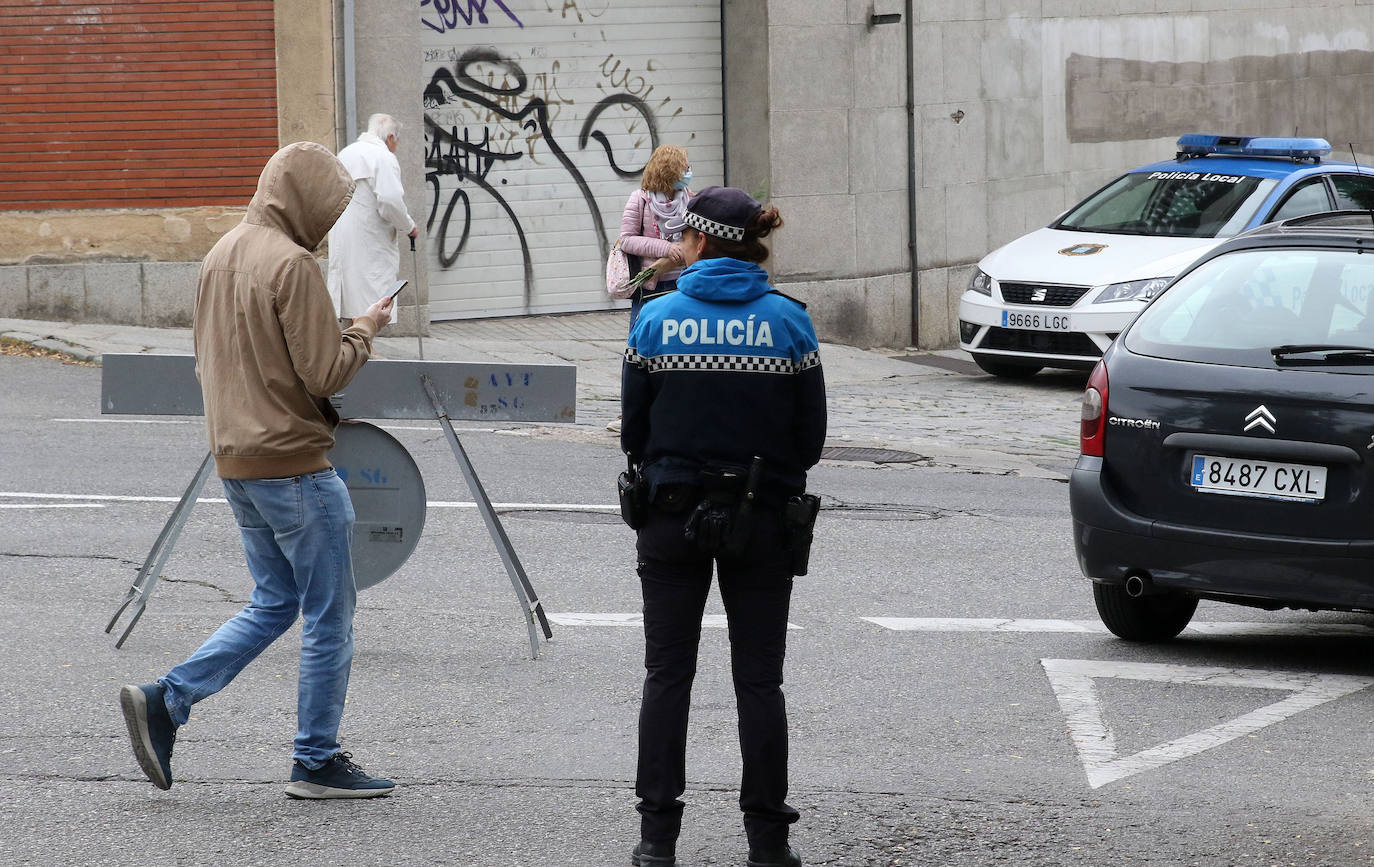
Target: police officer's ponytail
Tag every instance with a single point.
(749, 248)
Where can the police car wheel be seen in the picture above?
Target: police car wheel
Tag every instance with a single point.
(1157, 617)
(997, 366)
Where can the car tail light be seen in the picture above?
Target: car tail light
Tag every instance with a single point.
(1092, 429)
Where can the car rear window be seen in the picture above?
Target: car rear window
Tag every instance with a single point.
(1233, 309)
(1180, 204)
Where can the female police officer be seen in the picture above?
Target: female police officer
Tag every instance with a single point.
(724, 412)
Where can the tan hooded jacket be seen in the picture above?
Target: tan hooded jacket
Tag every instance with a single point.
(268, 348)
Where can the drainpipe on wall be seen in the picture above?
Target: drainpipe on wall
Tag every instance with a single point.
(911, 171)
(350, 76)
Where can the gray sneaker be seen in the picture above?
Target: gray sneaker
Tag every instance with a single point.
(336, 778)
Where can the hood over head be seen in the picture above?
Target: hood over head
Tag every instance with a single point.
(302, 191)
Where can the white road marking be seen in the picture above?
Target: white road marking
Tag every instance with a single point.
(983, 624)
(992, 624)
(52, 506)
(108, 498)
(200, 423)
(1073, 684)
(528, 507)
(128, 421)
(433, 504)
(709, 621)
(596, 619)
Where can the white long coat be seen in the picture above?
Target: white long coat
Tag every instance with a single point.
(363, 256)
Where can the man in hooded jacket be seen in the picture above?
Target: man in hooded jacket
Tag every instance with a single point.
(268, 355)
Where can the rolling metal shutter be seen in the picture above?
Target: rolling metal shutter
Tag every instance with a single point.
(135, 103)
(539, 118)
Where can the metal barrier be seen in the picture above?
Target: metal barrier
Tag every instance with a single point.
(380, 474)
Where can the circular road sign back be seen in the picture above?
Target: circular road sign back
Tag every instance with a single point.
(388, 498)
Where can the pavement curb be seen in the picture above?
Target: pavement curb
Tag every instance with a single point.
(51, 344)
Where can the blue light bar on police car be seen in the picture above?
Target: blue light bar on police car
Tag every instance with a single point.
(1199, 145)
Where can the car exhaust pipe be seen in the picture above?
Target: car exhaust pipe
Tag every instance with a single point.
(1138, 584)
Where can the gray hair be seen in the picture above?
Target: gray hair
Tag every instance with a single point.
(384, 126)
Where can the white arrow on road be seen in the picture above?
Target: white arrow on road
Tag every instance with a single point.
(1073, 683)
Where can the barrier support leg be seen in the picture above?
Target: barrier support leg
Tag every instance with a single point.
(142, 588)
(524, 591)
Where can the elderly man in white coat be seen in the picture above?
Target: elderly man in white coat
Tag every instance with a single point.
(363, 256)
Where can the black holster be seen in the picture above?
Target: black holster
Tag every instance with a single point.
(799, 520)
(633, 490)
(723, 522)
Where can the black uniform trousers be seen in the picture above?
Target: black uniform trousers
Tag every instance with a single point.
(756, 588)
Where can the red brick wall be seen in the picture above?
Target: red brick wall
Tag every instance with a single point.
(134, 103)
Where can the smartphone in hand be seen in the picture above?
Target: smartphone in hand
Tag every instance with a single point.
(396, 289)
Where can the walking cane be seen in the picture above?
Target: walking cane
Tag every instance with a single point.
(415, 272)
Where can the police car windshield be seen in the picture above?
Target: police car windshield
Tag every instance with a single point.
(1177, 204)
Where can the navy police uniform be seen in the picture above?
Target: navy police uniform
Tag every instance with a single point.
(720, 372)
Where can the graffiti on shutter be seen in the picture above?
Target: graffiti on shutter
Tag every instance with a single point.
(539, 118)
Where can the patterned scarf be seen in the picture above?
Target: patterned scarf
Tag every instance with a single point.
(665, 208)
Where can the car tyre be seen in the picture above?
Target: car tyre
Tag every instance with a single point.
(1153, 617)
(1006, 369)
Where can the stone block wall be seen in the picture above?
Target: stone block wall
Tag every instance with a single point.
(816, 124)
(160, 294)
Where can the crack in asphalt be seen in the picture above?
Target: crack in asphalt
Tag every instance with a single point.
(37, 556)
(898, 511)
(228, 596)
(133, 564)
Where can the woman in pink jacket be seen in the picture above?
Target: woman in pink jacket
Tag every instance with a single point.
(663, 195)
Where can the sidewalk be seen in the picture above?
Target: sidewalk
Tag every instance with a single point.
(936, 405)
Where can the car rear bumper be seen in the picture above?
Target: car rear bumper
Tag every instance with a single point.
(1112, 542)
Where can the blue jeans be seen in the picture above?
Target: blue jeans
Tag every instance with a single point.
(296, 534)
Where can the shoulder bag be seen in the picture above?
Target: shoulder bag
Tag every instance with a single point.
(618, 273)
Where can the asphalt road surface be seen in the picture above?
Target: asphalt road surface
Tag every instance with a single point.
(953, 699)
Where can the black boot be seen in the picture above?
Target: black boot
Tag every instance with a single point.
(650, 854)
(774, 856)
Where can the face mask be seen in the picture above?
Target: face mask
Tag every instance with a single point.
(682, 182)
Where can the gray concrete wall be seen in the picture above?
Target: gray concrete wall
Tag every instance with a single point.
(388, 81)
(1026, 106)
(744, 40)
(826, 121)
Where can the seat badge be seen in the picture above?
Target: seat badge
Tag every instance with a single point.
(1260, 416)
(1082, 249)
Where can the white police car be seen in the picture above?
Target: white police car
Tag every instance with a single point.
(1058, 296)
